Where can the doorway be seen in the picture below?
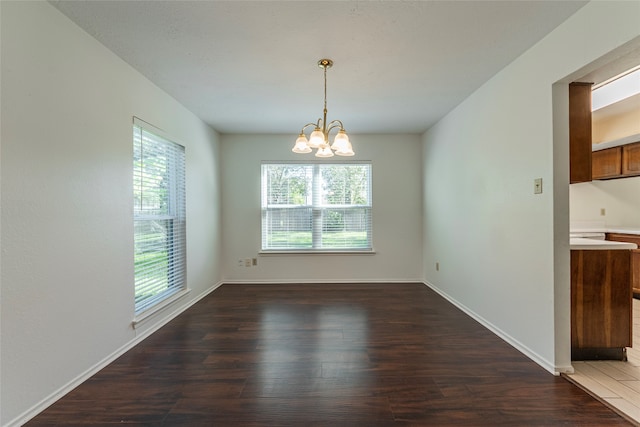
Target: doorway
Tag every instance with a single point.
(603, 206)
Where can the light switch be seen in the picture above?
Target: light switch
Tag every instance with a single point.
(537, 186)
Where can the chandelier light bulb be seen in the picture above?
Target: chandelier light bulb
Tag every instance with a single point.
(324, 151)
(346, 151)
(316, 139)
(302, 145)
(341, 141)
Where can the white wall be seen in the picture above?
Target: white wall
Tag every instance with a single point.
(67, 228)
(397, 221)
(500, 247)
(609, 127)
(619, 197)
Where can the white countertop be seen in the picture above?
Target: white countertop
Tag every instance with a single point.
(580, 243)
(607, 229)
(600, 227)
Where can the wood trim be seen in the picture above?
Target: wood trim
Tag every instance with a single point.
(580, 132)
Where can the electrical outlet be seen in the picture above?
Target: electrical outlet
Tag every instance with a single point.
(247, 262)
(240, 263)
(537, 186)
(603, 212)
(254, 261)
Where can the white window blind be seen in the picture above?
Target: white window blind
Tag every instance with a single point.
(159, 217)
(316, 207)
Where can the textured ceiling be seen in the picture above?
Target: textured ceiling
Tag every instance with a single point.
(250, 67)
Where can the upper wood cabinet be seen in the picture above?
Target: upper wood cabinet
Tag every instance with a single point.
(579, 132)
(606, 163)
(631, 159)
(616, 162)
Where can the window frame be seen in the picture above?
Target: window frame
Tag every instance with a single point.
(317, 206)
(175, 241)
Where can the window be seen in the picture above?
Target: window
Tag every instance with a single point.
(316, 207)
(159, 216)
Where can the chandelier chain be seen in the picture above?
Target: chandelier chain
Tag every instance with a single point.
(325, 88)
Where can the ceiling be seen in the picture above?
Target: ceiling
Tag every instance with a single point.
(618, 109)
(251, 66)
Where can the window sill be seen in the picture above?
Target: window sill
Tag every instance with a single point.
(142, 317)
(316, 252)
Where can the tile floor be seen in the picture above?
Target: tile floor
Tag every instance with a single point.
(615, 383)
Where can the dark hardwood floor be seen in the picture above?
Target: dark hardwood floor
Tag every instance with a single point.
(325, 355)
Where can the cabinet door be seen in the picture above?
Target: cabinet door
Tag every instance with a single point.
(600, 299)
(631, 159)
(580, 132)
(606, 163)
(635, 257)
(635, 271)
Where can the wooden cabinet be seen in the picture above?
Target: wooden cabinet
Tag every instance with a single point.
(635, 272)
(579, 132)
(631, 159)
(601, 304)
(606, 163)
(616, 162)
(635, 257)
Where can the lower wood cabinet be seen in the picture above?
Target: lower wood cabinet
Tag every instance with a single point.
(635, 272)
(635, 257)
(601, 304)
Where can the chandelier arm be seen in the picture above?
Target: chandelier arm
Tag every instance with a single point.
(309, 124)
(334, 124)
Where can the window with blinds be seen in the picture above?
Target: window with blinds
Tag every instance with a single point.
(159, 217)
(316, 207)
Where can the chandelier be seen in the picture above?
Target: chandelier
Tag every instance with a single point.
(319, 138)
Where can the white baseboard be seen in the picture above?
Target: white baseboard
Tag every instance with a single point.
(316, 282)
(58, 394)
(547, 365)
